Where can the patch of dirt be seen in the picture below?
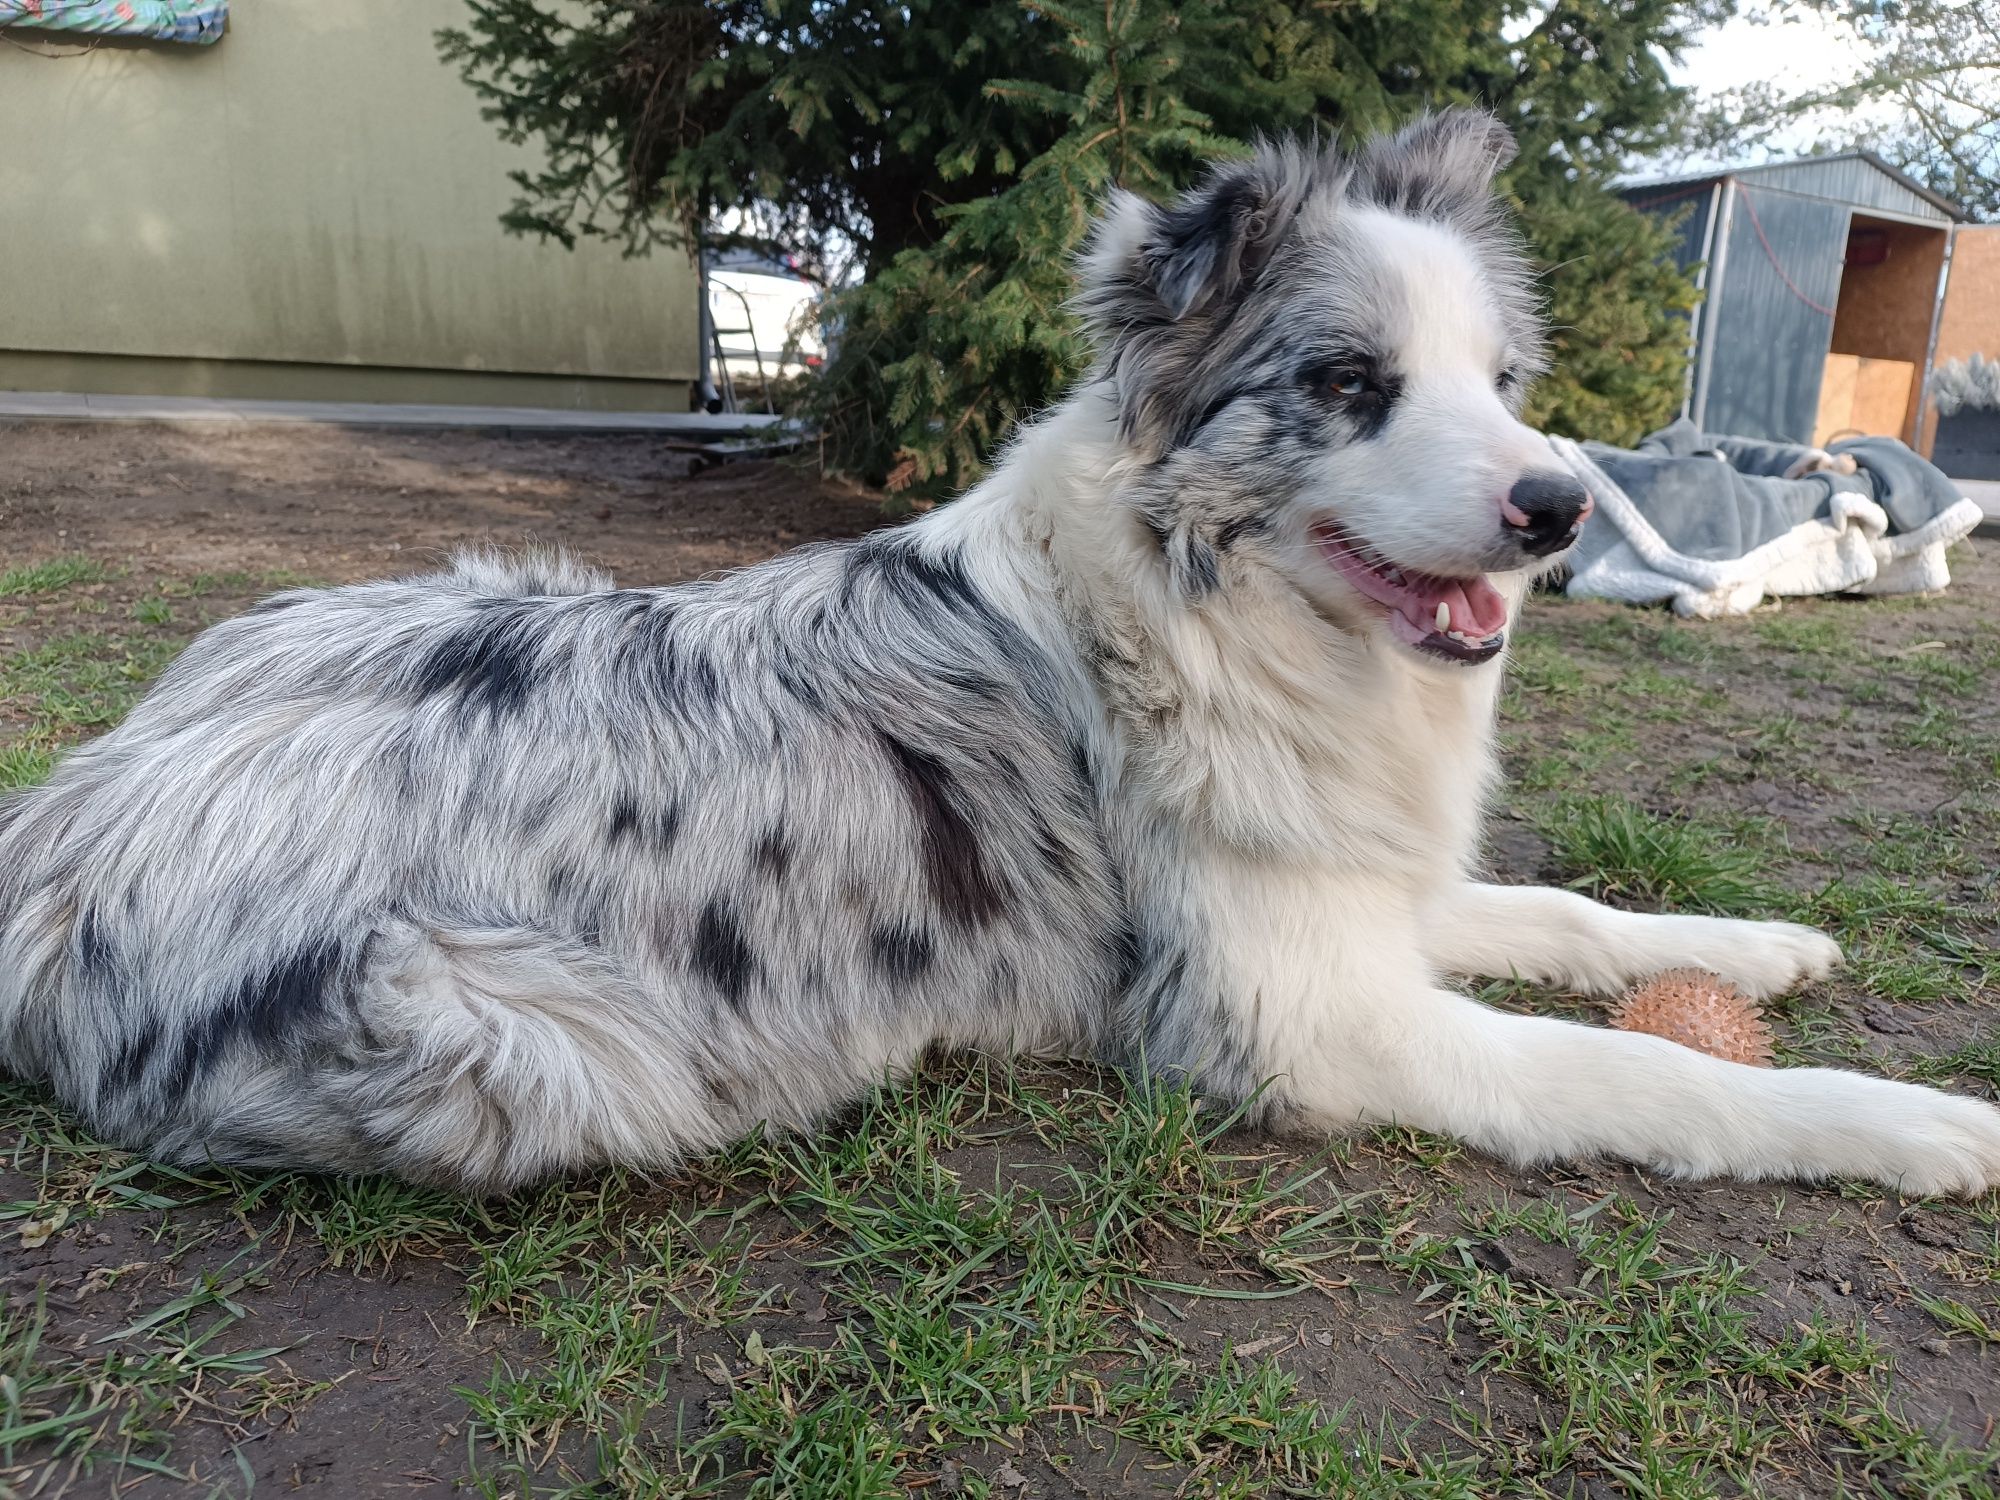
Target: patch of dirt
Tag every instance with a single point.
(340, 505)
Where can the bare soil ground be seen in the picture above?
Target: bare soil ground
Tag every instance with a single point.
(1042, 1281)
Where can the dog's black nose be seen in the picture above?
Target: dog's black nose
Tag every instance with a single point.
(1544, 511)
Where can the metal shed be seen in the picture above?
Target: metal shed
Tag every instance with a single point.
(1822, 280)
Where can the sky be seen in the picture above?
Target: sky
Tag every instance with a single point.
(1796, 57)
(1802, 54)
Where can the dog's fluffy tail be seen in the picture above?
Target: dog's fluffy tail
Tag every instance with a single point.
(37, 917)
(506, 1055)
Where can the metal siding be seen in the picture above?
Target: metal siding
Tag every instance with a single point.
(1770, 346)
(1846, 180)
(316, 188)
(1691, 238)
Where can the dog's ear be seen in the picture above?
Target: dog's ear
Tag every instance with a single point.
(1148, 264)
(1154, 277)
(1435, 164)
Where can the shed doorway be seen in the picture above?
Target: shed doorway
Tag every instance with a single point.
(1882, 327)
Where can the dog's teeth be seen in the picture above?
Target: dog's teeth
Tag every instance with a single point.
(1444, 616)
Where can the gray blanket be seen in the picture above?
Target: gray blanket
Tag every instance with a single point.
(1711, 522)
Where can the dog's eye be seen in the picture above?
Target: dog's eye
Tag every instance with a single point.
(1350, 383)
(1506, 380)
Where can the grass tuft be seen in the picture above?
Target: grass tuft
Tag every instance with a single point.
(1615, 849)
(50, 577)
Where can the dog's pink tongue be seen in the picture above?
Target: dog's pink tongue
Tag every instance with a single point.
(1476, 608)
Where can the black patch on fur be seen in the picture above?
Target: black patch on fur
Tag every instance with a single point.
(796, 686)
(704, 684)
(1155, 990)
(1084, 769)
(919, 582)
(1196, 569)
(972, 682)
(930, 587)
(1366, 414)
(965, 890)
(1439, 166)
(773, 855)
(624, 819)
(1232, 531)
(493, 664)
(283, 1004)
(96, 963)
(656, 829)
(676, 675)
(1201, 249)
(903, 952)
(134, 1054)
(722, 954)
(1192, 429)
(1128, 954)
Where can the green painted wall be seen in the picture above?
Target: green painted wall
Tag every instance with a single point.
(316, 189)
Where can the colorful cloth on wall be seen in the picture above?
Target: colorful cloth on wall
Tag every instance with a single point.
(198, 21)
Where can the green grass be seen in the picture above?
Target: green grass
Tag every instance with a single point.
(1612, 848)
(50, 577)
(1904, 940)
(1539, 665)
(1648, 1360)
(103, 1414)
(1811, 630)
(24, 765)
(72, 685)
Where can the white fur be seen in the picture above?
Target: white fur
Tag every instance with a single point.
(1330, 783)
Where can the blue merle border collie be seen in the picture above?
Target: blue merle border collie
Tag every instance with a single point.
(1165, 745)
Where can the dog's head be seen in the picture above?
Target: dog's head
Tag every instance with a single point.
(1319, 361)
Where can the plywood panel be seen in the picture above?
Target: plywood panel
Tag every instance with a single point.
(1836, 397)
(1864, 396)
(1888, 296)
(1883, 391)
(1969, 322)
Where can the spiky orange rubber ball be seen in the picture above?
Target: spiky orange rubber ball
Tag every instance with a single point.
(1699, 1010)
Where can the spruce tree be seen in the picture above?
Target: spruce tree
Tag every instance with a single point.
(959, 150)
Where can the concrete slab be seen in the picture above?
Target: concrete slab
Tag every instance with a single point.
(1985, 491)
(57, 406)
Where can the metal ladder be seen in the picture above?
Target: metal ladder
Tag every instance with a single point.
(725, 383)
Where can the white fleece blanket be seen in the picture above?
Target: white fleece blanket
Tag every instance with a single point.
(1851, 544)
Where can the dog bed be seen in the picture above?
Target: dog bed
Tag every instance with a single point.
(1716, 524)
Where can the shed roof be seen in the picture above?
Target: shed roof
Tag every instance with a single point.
(1859, 178)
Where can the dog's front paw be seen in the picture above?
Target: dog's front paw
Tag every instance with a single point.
(1767, 958)
(1949, 1146)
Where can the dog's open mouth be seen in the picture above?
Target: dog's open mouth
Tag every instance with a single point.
(1459, 619)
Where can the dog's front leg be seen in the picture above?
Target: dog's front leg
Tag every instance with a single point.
(1326, 989)
(1558, 937)
(1532, 1089)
